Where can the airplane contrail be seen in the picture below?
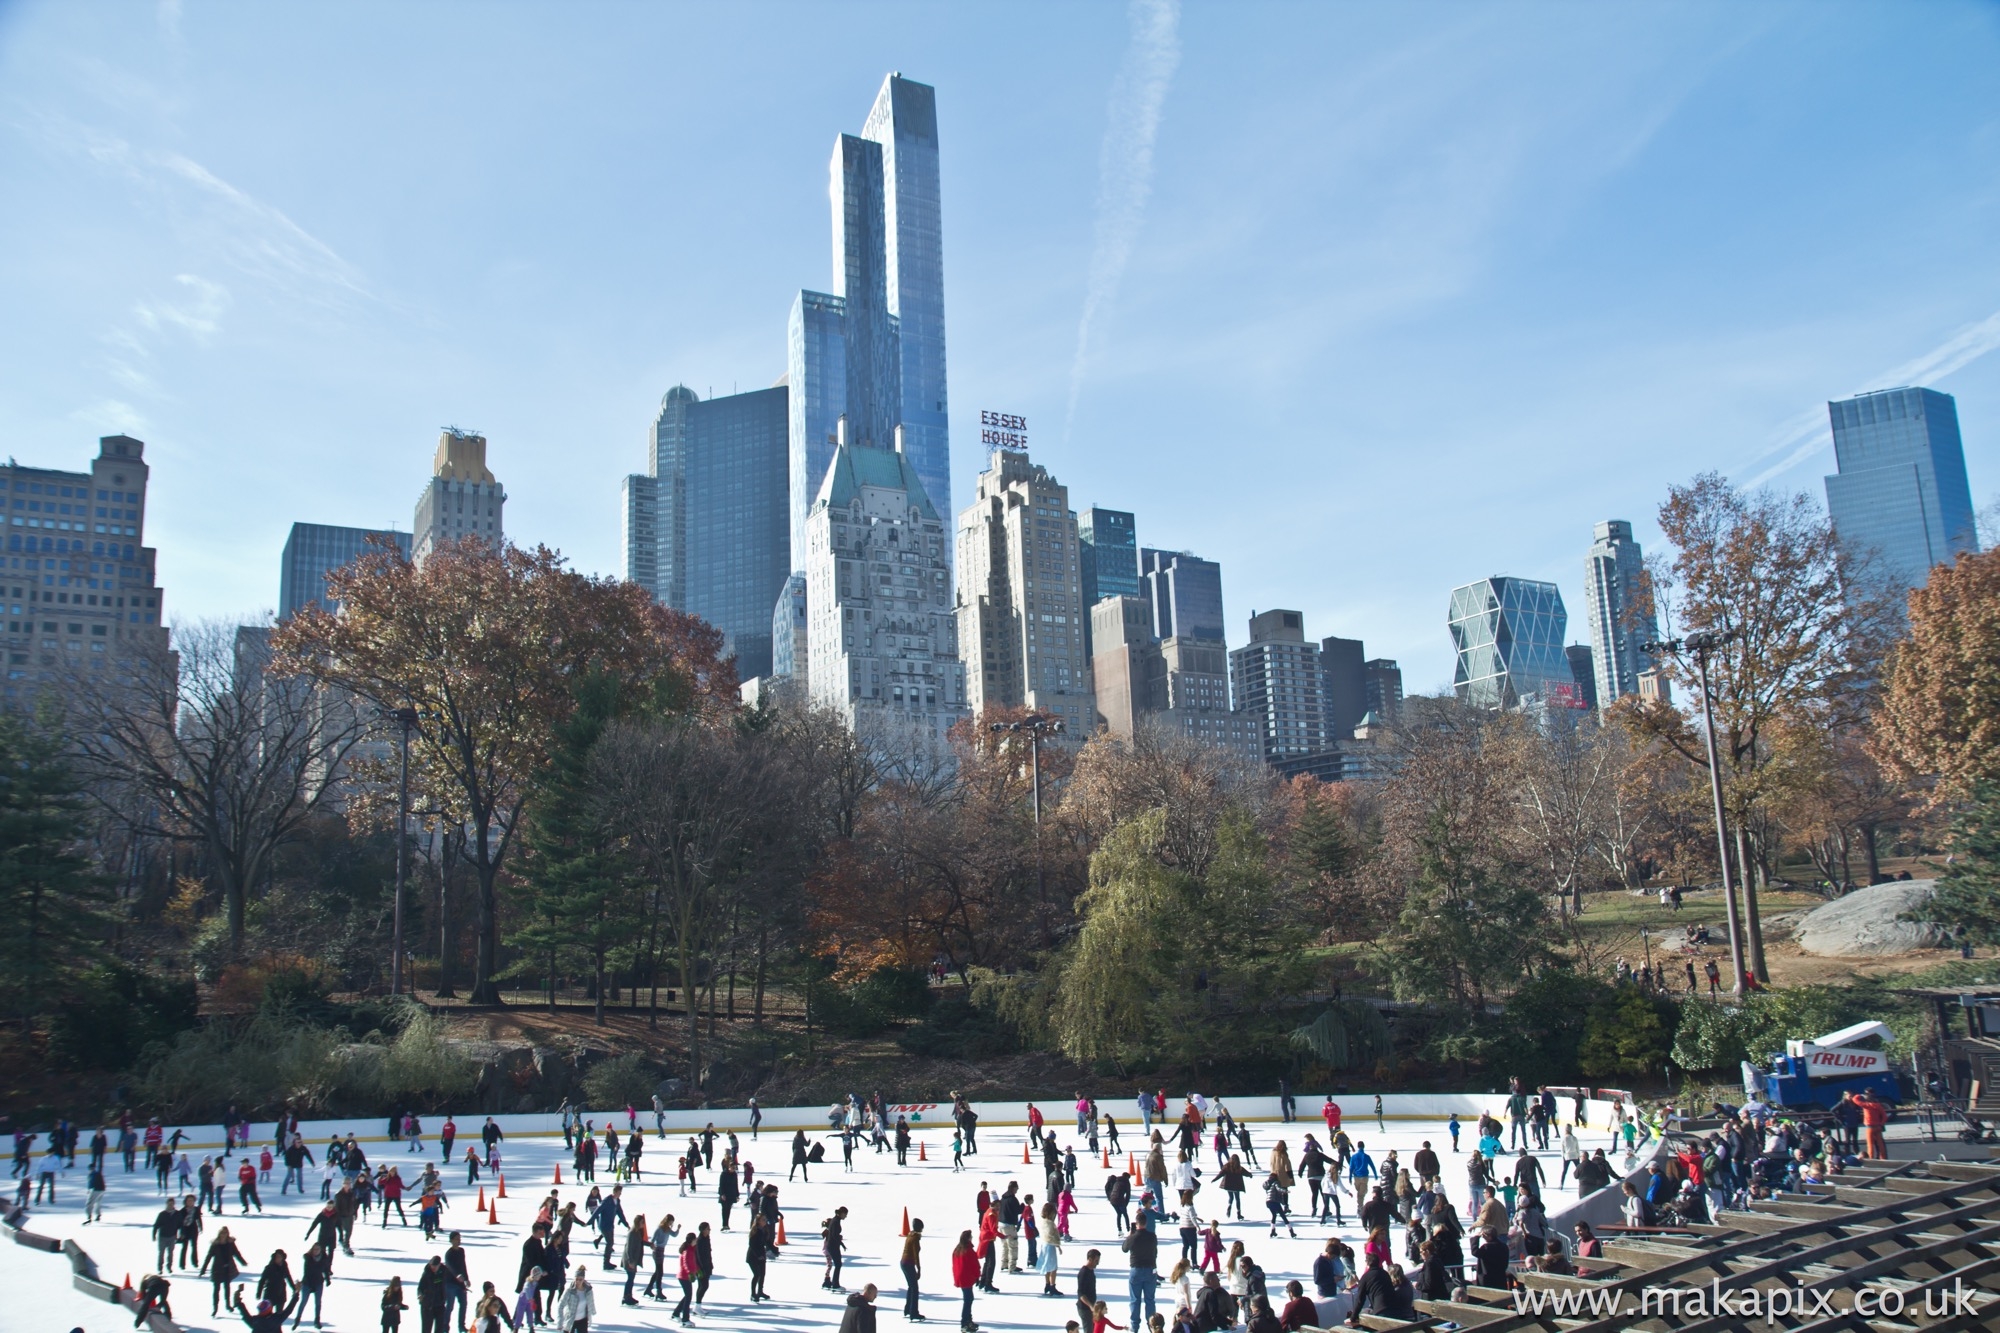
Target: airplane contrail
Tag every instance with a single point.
(1125, 164)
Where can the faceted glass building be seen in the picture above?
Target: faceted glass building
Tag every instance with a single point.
(1901, 495)
(1509, 635)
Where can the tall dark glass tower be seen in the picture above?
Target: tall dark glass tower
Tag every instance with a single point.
(1185, 592)
(1108, 551)
(708, 530)
(1901, 496)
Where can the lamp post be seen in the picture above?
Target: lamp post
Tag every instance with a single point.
(1702, 645)
(406, 721)
(1036, 725)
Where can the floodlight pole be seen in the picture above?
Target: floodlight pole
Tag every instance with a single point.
(406, 719)
(1701, 645)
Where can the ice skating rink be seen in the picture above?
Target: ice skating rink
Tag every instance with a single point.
(876, 1193)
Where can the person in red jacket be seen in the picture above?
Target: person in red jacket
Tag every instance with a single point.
(246, 1181)
(390, 1187)
(989, 1246)
(965, 1276)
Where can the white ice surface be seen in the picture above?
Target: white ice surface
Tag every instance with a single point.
(39, 1296)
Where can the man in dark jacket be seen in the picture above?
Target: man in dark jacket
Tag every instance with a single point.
(860, 1314)
(1528, 1174)
(1491, 1257)
(1118, 1192)
(275, 1283)
(1142, 1249)
(434, 1297)
(1214, 1308)
(1375, 1294)
(534, 1255)
(461, 1280)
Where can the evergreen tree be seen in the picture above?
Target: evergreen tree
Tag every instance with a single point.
(51, 898)
(1968, 894)
(577, 893)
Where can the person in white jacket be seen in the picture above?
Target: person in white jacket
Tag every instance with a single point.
(578, 1305)
(1572, 1155)
(1186, 1180)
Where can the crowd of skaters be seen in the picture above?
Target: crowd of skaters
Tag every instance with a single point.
(1209, 1284)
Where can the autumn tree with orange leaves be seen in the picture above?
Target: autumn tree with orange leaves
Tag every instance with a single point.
(485, 645)
(1940, 714)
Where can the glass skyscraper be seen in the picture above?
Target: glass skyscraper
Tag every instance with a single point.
(1509, 635)
(709, 531)
(1109, 554)
(315, 550)
(1343, 685)
(904, 122)
(873, 349)
(1618, 630)
(1901, 497)
(1185, 592)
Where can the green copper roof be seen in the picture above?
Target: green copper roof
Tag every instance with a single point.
(856, 466)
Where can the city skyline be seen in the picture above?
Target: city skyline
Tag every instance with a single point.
(188, 271)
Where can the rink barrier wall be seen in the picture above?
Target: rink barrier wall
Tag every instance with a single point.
(1357, 1112)
(83, 1270)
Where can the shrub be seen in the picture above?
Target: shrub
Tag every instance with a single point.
(1539, 1035)
(621, 1081)
(258, 1063)
(422, 1069)
(114, 1011)
(1631, 1034)
(1717, 1035)
(888, 995)
(957, 1029)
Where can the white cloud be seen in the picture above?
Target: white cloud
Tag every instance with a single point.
(1125, 165)
(200, 315)
(1808, 433)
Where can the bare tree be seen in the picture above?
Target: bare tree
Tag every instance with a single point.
(1564, 779)
(201, 743)
(685, 791)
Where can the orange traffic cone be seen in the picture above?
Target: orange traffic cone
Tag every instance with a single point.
(1024, 1154)
(480, 1206)
(781, 1231)
(558, 1173)
(493, 1214)
(1107, 1157)
(920, 1152)
(501, 1192)
(128, 1283)
(906, 1223)
(1131, 1166)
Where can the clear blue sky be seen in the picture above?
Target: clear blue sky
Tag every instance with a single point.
(1386, 297)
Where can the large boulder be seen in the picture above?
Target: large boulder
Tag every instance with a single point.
(1868, 922)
